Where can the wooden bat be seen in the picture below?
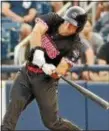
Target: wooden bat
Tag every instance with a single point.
(64, 8)
(103, 103)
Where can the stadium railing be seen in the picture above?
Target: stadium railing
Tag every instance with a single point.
(78, 68)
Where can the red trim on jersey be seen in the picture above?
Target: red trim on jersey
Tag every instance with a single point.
(34, 69)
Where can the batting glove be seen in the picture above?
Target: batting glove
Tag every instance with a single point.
(48, 68)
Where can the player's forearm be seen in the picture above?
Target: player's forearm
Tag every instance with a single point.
(37, 33)
(35, 37)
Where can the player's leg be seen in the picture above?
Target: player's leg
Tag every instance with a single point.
(21, 96)
(46, 95)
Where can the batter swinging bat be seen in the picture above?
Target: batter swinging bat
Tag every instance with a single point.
(21, 47)
(103, 103)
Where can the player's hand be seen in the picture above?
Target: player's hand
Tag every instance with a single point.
(63, 67)
(48, 69)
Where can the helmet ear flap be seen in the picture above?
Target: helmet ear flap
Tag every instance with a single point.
(82, 18)
(82, 21)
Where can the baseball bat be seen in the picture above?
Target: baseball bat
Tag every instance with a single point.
(64, 8)
(103, 103)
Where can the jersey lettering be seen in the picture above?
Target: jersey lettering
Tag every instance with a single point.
(47, 44)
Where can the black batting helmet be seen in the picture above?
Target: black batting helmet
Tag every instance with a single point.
(76, 16)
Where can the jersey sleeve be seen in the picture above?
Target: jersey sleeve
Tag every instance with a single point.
(75, 52)
(78, 48)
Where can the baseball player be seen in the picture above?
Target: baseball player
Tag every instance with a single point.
(55, 45)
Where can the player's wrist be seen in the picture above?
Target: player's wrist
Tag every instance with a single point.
(49, 69)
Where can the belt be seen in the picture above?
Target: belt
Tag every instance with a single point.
(35, 69)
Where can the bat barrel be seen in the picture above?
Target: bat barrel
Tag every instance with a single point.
(88, 94)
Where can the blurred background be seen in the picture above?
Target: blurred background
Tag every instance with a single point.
(91, 70)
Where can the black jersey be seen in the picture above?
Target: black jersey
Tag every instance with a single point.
(57, 46)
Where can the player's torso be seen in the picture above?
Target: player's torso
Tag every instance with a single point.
(56, 45)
